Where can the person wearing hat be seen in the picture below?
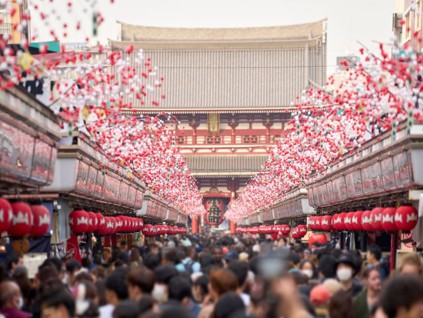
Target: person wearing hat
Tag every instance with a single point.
(346, 269)
(320, 297)
(229, 257)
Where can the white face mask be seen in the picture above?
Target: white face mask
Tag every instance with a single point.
(307, 272)
(20, 303)
(159, 293)
(344, 274)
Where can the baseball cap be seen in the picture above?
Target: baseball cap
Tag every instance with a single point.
(319, 295)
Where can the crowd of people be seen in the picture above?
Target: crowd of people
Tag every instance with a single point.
(215, 276)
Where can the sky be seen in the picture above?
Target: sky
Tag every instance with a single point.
(349, 21)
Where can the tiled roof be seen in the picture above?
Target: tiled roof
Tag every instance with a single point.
(131, 32)
(225, 164)
(243, 74)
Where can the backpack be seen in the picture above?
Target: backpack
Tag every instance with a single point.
(189, 266)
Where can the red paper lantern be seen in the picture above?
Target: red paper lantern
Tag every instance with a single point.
(22, 220)
(338, 222)
(295, 233)
(342, 225)
(348, 221)
(356, 221)
(157, 229)
(254, 230)
(93, 222)
(388, 219)
(101, 221)
(376, 216)
(312, 223)
(317, 238)
(141, 224)
(147, 230)
(334, 222)
(318, 222)
(6, 215)
(366, 221)
(302, 230)
(131, 225)
(406, 218)
(41, 217)
(286, 229)
(327, 223)
(121, 224)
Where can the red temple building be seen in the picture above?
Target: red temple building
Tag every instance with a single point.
(232, 91)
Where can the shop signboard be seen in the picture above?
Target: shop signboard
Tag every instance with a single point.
(402, 170)
(388, 177)
(41, 162)
(82, 177)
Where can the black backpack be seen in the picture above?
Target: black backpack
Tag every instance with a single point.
(189, 266)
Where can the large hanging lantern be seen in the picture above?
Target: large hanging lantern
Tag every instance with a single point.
(92, 222)
(406, 218)
(302, 230)
(388, 219)
(334, 221)
(112, 225)
(327, 223)
(41, 217)
(318, 222)
(348, 221)
(342, 226)
(22, 220)
(356, 221)
(317, 238)
(78, 221)
(147, 230)
(376, 216)
(366, 221)
(311, 223)
(101, 223)
(285, 229)
(6, 215)
(120, 224)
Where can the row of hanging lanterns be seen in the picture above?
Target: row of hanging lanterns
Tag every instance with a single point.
(81, 221)
(19, 219)
(282, 229)
(388, 219)
(153, 230)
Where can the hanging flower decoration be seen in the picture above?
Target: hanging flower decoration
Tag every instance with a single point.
(105, 83)
(356, 105)
(146, 146)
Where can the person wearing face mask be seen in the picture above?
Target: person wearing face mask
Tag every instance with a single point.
(11, 301)
(345, 272)
(164, 275)
(308, 268)
(370, 295)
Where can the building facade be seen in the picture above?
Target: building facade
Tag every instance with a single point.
(407, 22)
(232, 91)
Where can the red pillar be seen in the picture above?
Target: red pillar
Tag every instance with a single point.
(232, 224)
(232, 227)
(107, 241)
(114, 240)
(194, 225)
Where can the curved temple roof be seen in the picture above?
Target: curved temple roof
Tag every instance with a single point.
(303, 31)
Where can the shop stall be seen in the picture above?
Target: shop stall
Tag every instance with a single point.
(29, 141)
(85, 180)
(372, 195)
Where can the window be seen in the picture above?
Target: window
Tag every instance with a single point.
(418, 15)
